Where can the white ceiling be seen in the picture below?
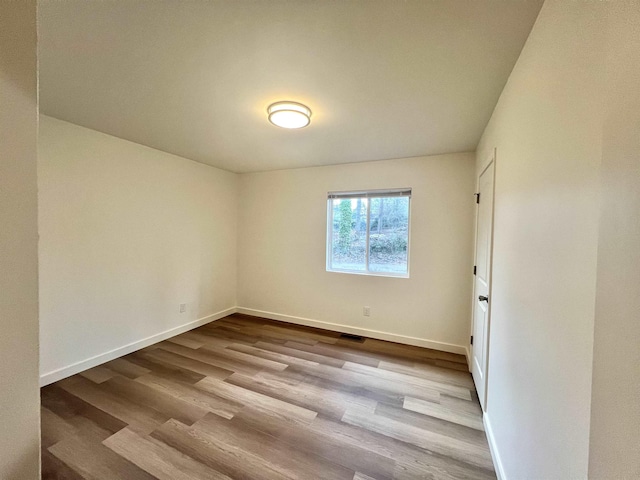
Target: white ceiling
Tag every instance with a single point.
(384, 78)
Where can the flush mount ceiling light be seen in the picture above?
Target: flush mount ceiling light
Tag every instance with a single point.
(289, 114)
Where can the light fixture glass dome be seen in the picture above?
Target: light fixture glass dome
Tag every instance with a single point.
(289, 114)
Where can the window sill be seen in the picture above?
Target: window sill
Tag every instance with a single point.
(371, 274)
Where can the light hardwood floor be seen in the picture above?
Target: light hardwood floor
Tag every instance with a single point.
(248, 398)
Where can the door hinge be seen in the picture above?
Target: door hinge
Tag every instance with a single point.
(474, 269)
(477, 197)
(471, 341)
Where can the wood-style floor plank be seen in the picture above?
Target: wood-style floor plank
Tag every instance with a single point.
(126, 368)
(471, 420)
(187, 342)
(189, 364)
(136, 416)
(452, 447)
(55, 469)
(281, 456)
(216, 453)
(242, 357)
(208, 356)
(98, 374)
(265, 403)
(171, 406)
(224, 407)
(159, 459)
(328, 402)
(336, 450)
(372, 383)
(362, 476)
(163, 369)
(294, 352)
(407, 456)
(249, 398)
(431, 372)
(94, 461)
(269, 355)
(338, 352)
(432, 424)
(54, 429)
(452, 390)
(78, 413)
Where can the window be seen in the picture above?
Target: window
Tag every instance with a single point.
(368, 232)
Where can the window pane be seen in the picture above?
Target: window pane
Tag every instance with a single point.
(349, 242)
(389, 234)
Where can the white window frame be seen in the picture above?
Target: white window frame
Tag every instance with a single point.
(369, 194)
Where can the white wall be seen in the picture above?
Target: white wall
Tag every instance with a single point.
(127, 233)
(615, 408)
(547, 128)
(19, 394)
(282, 245)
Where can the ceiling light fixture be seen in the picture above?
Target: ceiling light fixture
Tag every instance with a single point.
(289, 114)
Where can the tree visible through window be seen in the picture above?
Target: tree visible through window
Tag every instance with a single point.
(368, 232)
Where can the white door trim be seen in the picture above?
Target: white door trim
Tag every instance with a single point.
(491, 160)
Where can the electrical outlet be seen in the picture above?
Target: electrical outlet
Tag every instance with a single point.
(183, 307)
(366, 311)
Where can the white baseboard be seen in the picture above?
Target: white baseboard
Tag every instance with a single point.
(493, 447)
(83, 365)
(392, 337)
(64, 372)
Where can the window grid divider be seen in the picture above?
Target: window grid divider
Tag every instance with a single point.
(367, 233)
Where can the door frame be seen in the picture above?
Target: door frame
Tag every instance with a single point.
(491, 160)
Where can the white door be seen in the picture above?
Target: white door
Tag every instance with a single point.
(482, 288)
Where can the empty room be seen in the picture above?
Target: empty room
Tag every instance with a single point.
(296, 239)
